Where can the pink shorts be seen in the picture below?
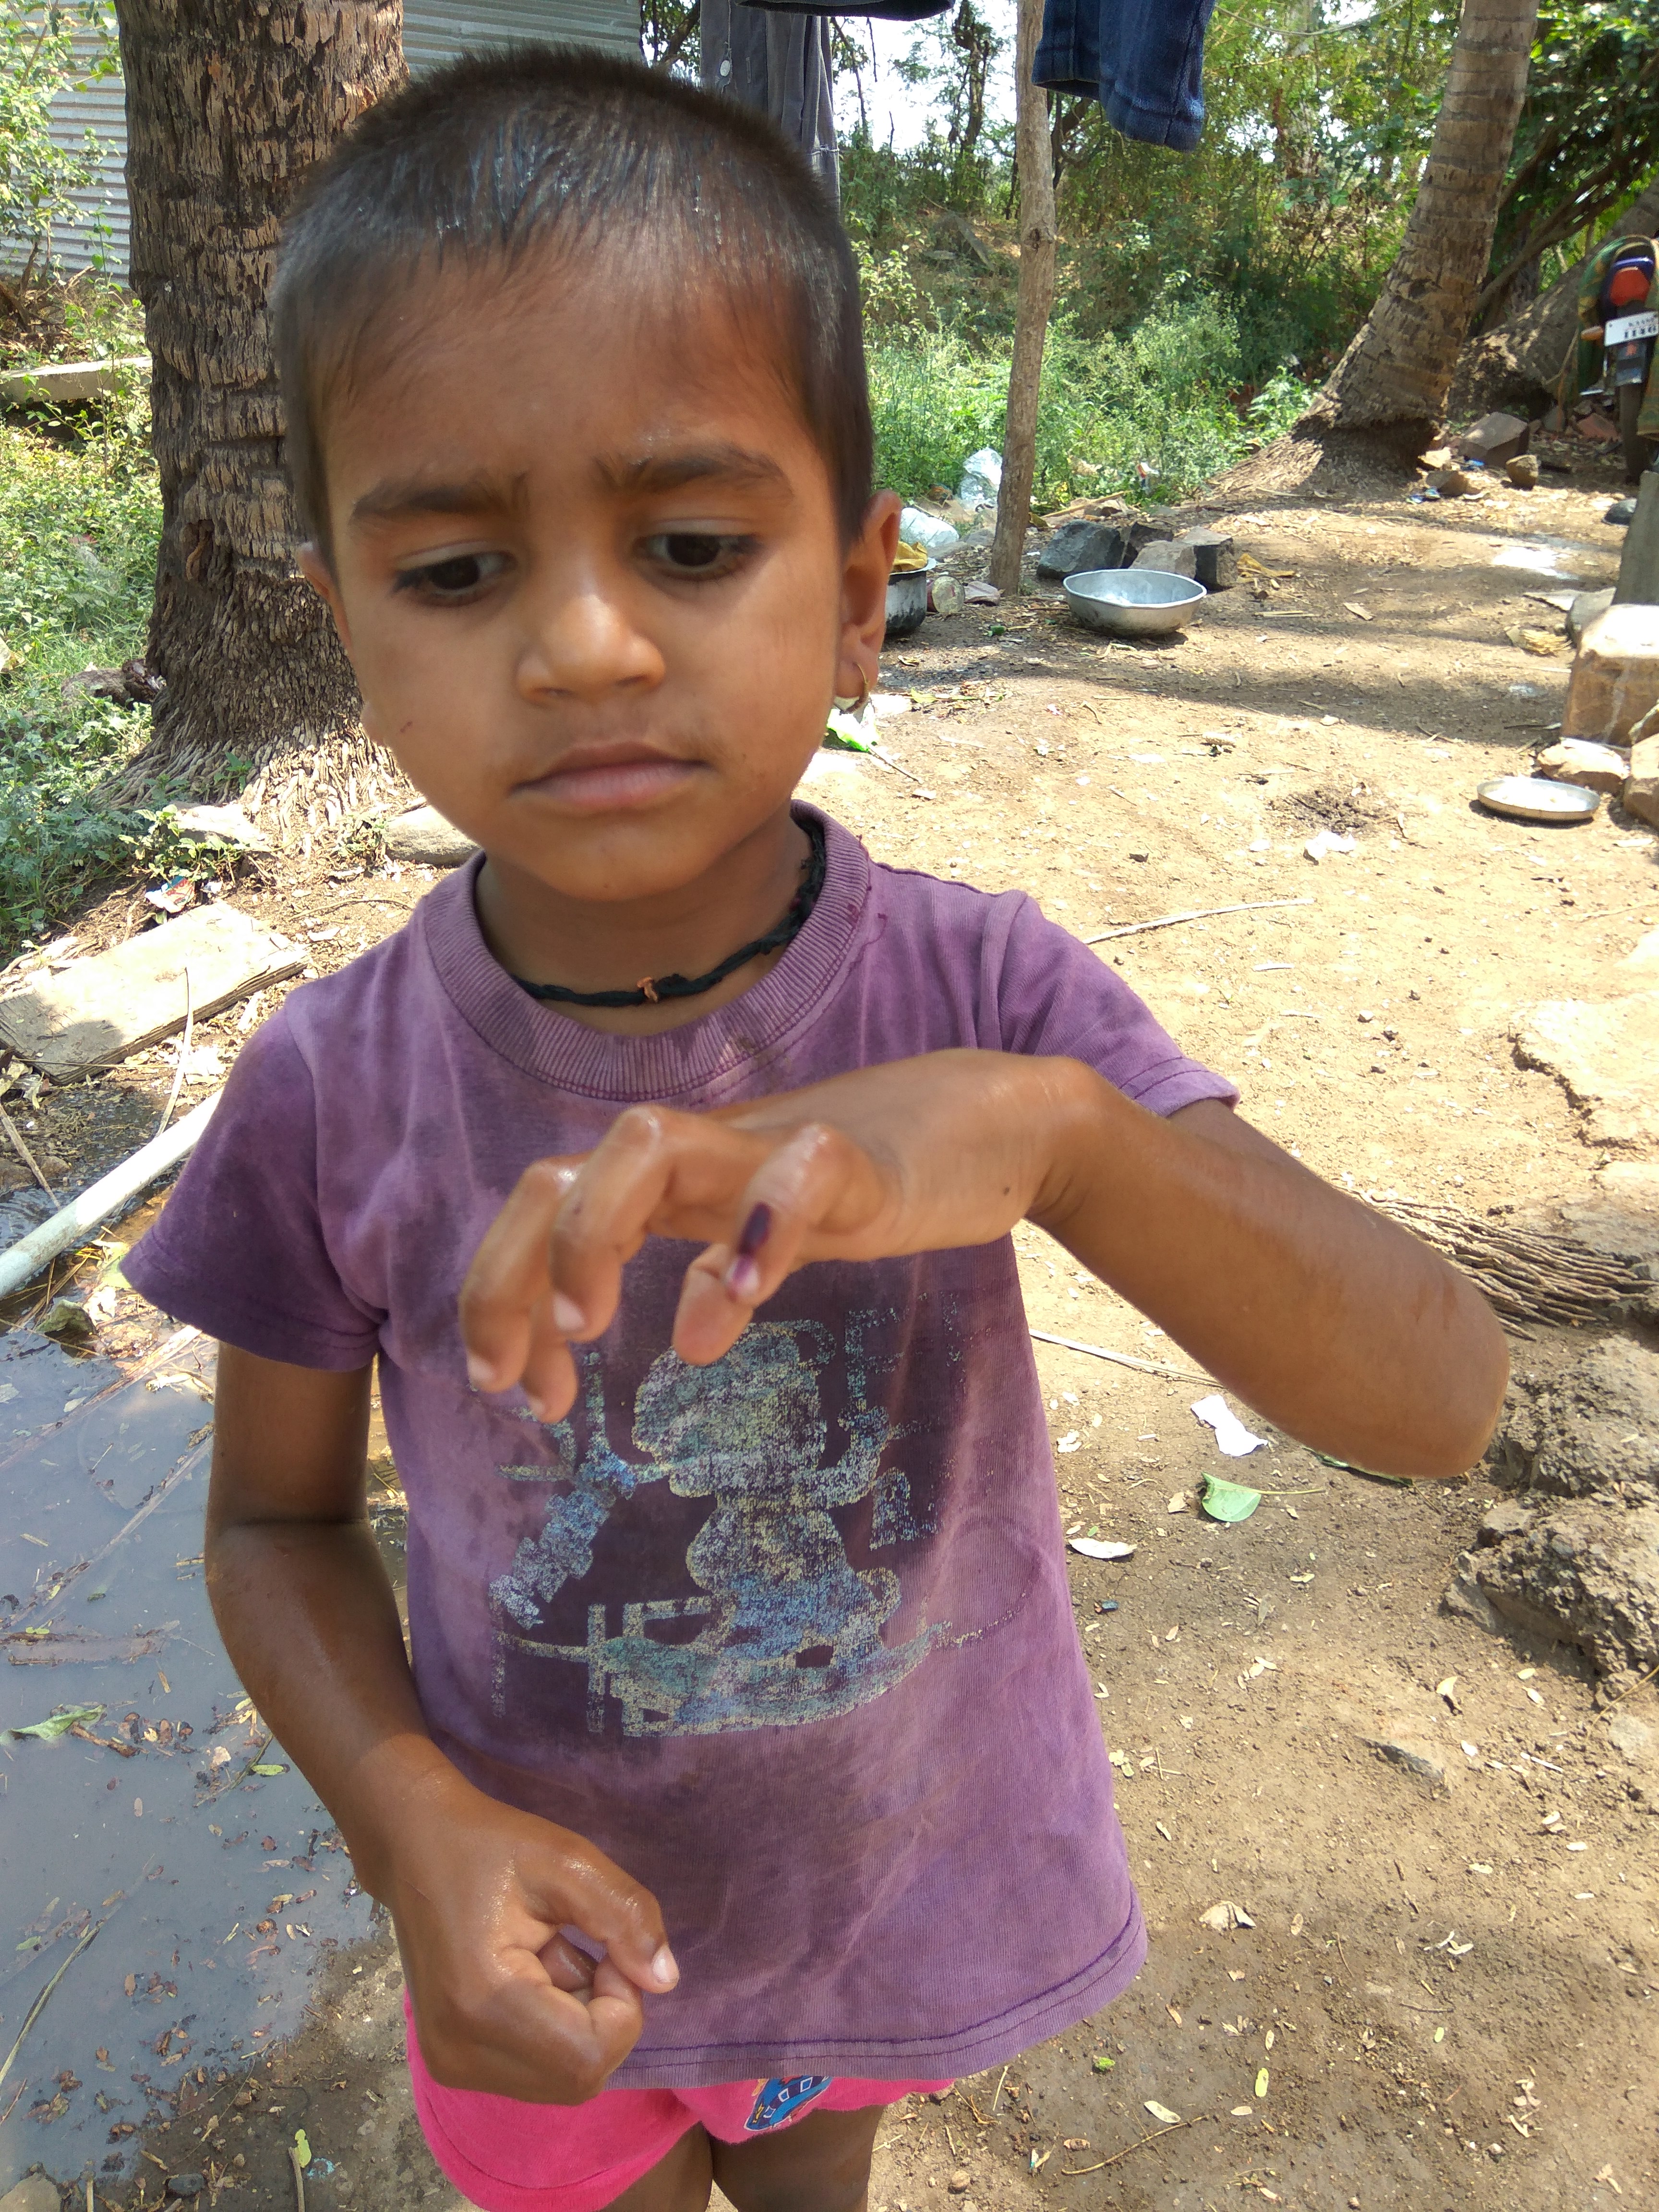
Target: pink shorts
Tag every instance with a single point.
(507, 2156)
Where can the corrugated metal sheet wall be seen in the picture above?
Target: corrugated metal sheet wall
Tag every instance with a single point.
(432, 34)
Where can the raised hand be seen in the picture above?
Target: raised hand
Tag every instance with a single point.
(946, 1150)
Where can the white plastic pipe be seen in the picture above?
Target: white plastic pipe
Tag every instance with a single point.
(24, 1260)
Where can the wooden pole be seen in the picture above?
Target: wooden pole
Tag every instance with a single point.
(1031, 312)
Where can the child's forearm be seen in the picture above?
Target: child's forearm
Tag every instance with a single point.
(311, 1624)
(1329, 1320)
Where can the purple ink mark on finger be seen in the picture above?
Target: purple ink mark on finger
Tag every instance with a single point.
(755, 1232)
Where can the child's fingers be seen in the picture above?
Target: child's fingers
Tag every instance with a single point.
(570, 1884)
(526, 2038)
(505, 1305)
(655, 1171)
(817, 1174)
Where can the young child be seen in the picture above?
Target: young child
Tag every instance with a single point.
(746, 1773)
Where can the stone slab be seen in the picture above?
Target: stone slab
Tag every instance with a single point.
(1586, 605)
(1604, 1056)
(1591, 766)
(70, 383)
(1640, 794)
(1615, 675)
(1217, 560)
(1174, 558)
(98, 1011)
(1078, 547)
(1495, 438)
(424, 838)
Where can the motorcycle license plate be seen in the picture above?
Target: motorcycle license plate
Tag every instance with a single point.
(1625, 330)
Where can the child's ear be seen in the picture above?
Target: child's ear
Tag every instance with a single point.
(315, 569)
(868, 564)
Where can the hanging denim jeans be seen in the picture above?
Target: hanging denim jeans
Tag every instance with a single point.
(1143, 60)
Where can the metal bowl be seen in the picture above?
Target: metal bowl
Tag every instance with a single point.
(906, 599)
(1132, 602)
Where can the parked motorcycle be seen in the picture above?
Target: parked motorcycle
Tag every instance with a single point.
(1619, 329)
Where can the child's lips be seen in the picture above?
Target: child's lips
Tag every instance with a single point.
(605, 782)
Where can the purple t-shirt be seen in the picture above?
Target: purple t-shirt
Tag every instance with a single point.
(789, 1636)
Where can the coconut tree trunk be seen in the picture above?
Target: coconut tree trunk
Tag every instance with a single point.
(1032, 307)
(228, 106)
(1392, 380)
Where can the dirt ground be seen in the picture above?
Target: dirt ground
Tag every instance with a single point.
(1442, 1990)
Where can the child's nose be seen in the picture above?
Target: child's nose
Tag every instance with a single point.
(584, 643)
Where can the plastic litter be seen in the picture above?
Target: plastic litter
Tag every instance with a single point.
(1095, 1547)
(930, 532)
(981, 479)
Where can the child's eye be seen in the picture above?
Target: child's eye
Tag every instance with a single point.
(698, 553)
(457, 578)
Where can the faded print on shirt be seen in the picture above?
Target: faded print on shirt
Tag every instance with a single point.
(763, 1617)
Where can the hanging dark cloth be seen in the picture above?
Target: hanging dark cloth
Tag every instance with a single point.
(779, 63)
(1143, 60)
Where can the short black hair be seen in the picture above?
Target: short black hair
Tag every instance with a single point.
(503, 154)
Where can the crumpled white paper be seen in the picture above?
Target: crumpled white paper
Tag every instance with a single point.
(1230, 1433)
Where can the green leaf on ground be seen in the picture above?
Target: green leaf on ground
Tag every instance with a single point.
(1228, 1501)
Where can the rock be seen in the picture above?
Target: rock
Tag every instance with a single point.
(959, 2181)
(1586, 1574)
(1217, 560)
(1581, 761)
(1585, 607)
(1495, 438)
(1639, 794)
(1594, 1429)
(186, 2186)
(1076, 547)
(1465, 1599)
(33, 2194)
(1450, 484)
(424, 838)
(1615, 678)
(1504, 1517)
(224, 825)
(1622, 511)
(1142, 533)
(1604, 1054)
(1174, 556)
(1635, 1739)
(1522, 470)
(1415, 1756)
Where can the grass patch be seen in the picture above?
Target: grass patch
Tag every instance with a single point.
(1147, 415)
(80, 514)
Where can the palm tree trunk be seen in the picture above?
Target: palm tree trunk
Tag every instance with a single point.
(1392, 380)
(228, 106)
(1032, 307)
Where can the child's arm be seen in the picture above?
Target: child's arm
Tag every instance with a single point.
(1319, 1313)
(478, 1890)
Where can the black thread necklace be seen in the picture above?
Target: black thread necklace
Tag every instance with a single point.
(652, 989)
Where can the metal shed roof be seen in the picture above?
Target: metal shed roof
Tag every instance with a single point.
(432, 34)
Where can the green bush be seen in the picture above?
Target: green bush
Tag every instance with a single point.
(79, 520)
(1147, 415)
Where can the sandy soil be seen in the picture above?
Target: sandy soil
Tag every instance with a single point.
(1444, 1993)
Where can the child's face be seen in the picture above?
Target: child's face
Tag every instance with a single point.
(587, 569)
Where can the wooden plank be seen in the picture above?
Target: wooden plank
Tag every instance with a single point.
(99, 1011)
